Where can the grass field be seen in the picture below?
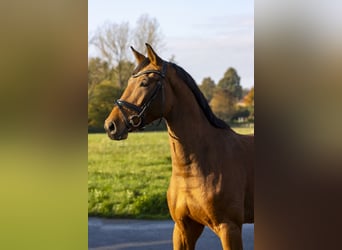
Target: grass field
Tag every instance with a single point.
(129, 178)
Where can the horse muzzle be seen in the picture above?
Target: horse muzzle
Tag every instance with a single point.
(114, 132)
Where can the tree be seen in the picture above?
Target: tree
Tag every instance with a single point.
(147, 30)
(101, 103)
(231, 82)
(245, 108)
(223, 104)
(98, 70)
(249, 98)
(125, 68)
(207, 87)
(112, 41)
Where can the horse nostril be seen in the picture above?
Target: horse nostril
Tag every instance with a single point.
(112, 128)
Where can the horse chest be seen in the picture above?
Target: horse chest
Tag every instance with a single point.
(190, 197)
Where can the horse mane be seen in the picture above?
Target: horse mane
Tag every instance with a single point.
(201, 100)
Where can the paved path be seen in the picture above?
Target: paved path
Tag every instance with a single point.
(108, 234)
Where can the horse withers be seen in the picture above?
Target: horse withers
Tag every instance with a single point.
(212, 181)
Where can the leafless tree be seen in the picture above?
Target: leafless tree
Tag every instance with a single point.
(112, 41)
(147, 30)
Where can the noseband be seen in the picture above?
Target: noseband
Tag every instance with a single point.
(137, 121)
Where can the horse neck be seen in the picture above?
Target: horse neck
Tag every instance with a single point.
(186, 120)
(188, 127)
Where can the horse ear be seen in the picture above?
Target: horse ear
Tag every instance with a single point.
(138, 56)
(154, 58)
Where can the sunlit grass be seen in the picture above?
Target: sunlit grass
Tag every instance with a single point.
(129, 178)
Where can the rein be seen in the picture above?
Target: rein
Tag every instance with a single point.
(137, 121)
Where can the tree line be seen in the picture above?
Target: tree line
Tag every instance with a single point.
(109, 72)
(228, 100)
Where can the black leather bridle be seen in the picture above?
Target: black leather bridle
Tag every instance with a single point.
(136, 121)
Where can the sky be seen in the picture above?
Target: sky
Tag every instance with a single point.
(206, 37)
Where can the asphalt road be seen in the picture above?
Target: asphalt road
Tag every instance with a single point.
(109, 234)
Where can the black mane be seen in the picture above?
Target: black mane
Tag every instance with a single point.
(201, 100)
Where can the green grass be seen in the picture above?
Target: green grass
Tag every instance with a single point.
(244, 131)
(129, 179)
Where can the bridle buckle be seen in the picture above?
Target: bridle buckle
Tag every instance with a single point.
(135, 121)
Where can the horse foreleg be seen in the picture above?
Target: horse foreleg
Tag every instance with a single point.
(185, 234)
(230, 236)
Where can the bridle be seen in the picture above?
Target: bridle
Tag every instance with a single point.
(137, 121)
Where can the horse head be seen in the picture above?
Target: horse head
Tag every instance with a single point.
(143, 100)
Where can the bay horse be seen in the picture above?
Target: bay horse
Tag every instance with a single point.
(212, 181)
